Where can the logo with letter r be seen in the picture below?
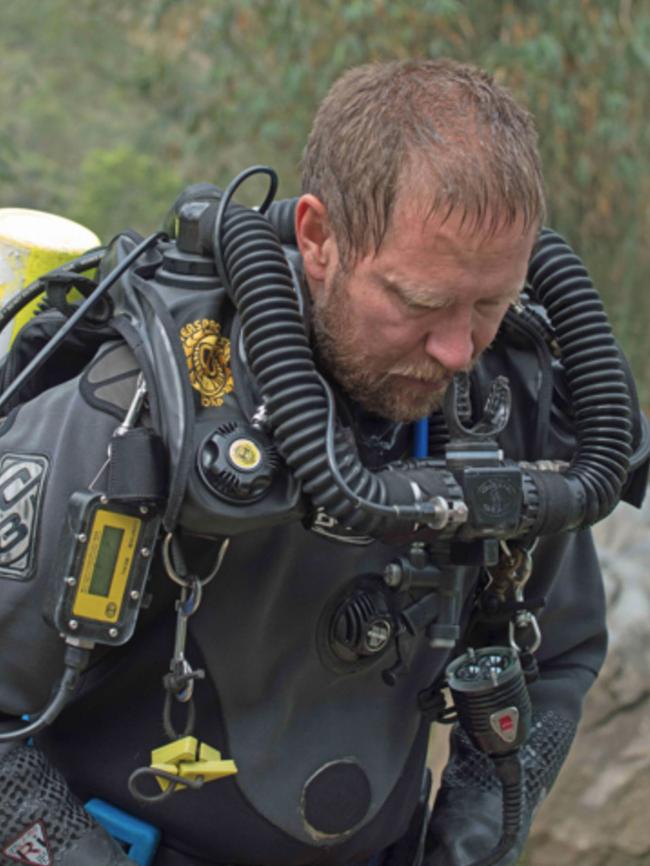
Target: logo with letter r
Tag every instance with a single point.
(31, 847)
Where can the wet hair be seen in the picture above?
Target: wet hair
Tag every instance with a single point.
(442, 131)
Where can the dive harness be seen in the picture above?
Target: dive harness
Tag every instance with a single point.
(453, 511)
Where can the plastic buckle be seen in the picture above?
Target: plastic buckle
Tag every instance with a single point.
(142, 838)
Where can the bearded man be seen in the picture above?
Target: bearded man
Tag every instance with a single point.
(422, 203)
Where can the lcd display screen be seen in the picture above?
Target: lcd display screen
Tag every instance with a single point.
(109, 547)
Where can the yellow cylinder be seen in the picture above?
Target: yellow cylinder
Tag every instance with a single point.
(32, 243)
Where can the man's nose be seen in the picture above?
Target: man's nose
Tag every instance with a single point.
(452, 343)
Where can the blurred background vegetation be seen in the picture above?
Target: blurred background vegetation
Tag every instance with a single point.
(109, 109)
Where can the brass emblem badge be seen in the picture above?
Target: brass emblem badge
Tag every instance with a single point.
(208, 360)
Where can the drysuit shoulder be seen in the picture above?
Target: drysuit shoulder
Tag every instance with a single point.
(71, 357)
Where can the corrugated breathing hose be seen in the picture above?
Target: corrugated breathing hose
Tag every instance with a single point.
(594, 372)
(300, 408)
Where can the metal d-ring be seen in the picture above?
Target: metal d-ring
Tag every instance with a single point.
(176, 783)
(525, 619)
(173, 574)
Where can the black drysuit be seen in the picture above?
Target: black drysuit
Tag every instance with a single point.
(330, 758)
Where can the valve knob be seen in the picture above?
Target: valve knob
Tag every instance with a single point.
(237, 464)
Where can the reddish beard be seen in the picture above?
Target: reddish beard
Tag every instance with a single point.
(400, 392)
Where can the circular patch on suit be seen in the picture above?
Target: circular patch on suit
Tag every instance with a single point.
(336, 798)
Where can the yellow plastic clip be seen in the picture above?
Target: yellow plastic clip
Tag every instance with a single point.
(190, 759)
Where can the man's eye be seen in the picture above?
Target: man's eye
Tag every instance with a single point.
(404, 303)
(492, 305)
(414, 306)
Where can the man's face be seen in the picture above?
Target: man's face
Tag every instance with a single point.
(397, 325)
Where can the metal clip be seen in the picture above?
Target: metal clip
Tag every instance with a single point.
(519, 565)
(132, 414)
(181, 676)
(523, 620)
(179, 682)
(135, 407)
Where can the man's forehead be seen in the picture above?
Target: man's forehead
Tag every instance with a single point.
(420, 204)
(474, 209)
(455, 233)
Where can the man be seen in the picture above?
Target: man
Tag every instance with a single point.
(422, 202)
(423, 197)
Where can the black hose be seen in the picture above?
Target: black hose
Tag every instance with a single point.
(281, 361)
(510, 772)
(75, 661)
(596, 380)
(282, 214)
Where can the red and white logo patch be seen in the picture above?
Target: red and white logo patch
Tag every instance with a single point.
(505, 723)
(32, 846)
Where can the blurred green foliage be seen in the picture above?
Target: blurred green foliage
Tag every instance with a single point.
(111, 184)
(110, 108)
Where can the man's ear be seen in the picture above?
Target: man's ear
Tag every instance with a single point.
(314, 237)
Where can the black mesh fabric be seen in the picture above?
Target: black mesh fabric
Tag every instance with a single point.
(467, 816)
(544, 753)
(542, 757)
(468, 767)
(30, 791)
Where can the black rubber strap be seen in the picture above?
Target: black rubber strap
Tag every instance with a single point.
(137, 468)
